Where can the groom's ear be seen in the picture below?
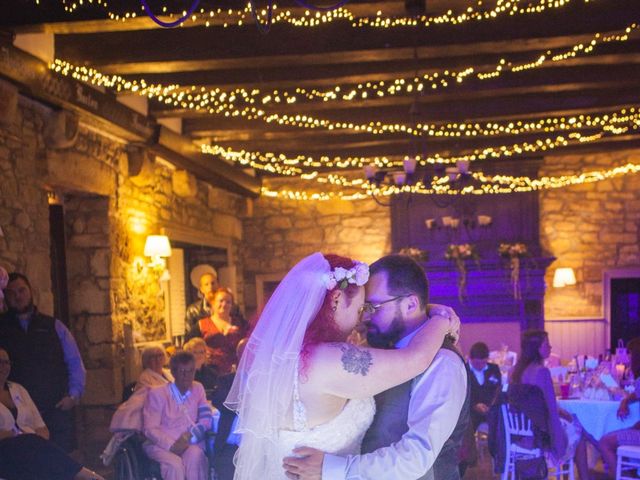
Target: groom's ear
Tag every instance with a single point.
(412, 303)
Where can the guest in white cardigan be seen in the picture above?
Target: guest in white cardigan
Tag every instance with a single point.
(128, 417)
(25, 450)
(154, 359)
(175, 418)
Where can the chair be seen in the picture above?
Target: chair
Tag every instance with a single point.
(628, 462)
(131, 463)
(482, 439)
(517, 426)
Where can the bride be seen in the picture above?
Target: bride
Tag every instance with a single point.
(299, 382)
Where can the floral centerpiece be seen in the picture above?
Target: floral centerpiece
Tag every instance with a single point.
(514, 252)
(458, 254)
(417, 254)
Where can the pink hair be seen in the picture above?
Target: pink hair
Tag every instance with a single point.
(323, 327)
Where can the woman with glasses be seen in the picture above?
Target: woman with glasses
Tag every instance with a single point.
(204, 373)
(25, 450)
(300, 383)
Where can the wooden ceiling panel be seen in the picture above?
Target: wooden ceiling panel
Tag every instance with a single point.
(337, 54)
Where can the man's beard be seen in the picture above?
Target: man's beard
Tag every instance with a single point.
(388, 339)
(22, 311)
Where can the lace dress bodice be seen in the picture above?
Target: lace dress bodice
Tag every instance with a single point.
(342, 435)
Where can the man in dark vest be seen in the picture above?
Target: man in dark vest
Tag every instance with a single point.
(419, 425)
(45, 360)
(486, 383)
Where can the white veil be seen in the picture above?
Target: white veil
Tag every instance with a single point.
(262, 391)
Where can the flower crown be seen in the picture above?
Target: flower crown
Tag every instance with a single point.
(342, 277)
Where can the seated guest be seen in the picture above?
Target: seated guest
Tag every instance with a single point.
(220, 332)
(25, 450)
(485, 383)
(46, 360)
(628, 436)
(154, 374)
(128, 416)
(567, 438)
(175, 418)
(205, 374)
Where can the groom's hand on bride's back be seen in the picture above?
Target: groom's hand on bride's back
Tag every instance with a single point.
(306, 465)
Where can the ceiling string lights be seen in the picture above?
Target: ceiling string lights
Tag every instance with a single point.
(497, 184)
(343, 181)
(611, 124)
(228, 102)
(477, 12)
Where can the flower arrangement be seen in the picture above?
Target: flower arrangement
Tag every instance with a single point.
(342, 277)
(511, 250)
(463, 251)
(514, 252)
(458, 254)
(417, 254)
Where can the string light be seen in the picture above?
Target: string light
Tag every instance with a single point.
(613, 124)
(497, 184)
(219, 102)
(230, 17)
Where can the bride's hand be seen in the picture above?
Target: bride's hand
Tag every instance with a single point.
(448, 313)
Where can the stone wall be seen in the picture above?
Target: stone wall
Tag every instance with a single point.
(606, 213)
(110, 207)
(591, 228)
(281, 232)
(24, 214)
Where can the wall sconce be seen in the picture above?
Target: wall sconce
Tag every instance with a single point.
(158, 248)
(563, 277)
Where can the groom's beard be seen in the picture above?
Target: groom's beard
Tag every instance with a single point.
(387, 340)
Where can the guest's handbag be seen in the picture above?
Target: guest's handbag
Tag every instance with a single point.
(531, 468)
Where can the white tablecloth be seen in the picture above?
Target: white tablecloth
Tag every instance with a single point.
(599, 417)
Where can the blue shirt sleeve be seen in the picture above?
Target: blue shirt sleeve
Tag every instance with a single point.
(73, 360)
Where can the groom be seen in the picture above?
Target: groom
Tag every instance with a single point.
(419, 425)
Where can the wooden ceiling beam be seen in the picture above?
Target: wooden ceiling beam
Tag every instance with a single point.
(319, 76)
(400, 147)
(608, 144)
(258, 139)
(144, 22)
(184, 154)
(233, 48)
(509, 86)
(524, 106)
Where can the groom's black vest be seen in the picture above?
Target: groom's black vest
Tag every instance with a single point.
(390, 423)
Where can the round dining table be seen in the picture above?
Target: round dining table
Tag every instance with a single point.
(599, 417)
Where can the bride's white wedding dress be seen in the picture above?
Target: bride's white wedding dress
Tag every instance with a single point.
(342, 435)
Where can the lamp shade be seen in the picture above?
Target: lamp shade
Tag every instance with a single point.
(157, 246)
(563, 277)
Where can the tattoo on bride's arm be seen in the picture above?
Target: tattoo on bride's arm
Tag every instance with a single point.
(355, 360)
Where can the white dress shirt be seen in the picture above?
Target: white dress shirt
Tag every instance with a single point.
(437, 397)
(28, 416)
(479, 374)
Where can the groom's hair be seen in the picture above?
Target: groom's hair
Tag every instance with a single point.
(404, 276)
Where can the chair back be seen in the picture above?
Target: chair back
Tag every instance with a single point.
(515, 423)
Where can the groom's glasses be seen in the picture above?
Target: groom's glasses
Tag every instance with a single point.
(371, 308)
